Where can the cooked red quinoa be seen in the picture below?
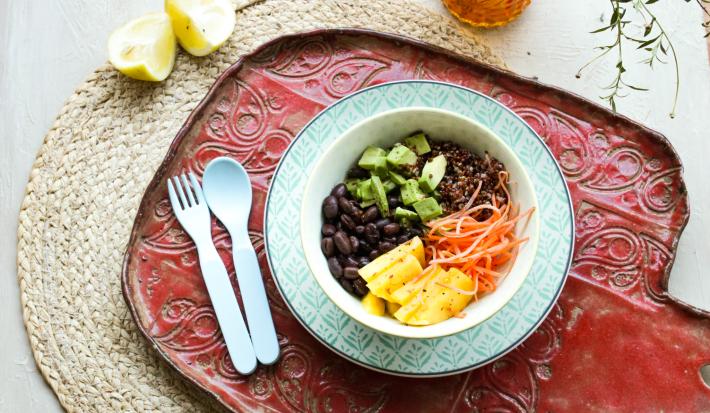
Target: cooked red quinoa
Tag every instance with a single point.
(464, 170)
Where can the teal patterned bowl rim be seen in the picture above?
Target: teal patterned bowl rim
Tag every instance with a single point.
(468, 349)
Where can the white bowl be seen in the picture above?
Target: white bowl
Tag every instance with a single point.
(384, 130)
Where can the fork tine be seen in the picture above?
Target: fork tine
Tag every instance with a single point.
(198, 189)
(173, 197)
(181, 192)
(186, 187)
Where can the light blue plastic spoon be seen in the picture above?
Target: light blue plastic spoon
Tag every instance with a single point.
(227, 189)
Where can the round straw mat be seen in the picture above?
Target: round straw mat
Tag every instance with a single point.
(87, 182)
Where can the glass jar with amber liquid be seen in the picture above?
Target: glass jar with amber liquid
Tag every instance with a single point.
(486, 13)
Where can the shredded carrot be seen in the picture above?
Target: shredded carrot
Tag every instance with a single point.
(478, 248)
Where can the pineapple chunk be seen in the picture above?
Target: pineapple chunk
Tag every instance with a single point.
(409, 290)
(441, 303)
(395, 277)
(385, 261)
(391, 307)
(373, 304)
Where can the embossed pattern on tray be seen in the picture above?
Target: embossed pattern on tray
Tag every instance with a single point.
(616, 339)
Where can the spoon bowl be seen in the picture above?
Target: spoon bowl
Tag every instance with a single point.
(228, 191)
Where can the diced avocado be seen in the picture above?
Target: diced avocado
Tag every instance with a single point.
(432, 173)
(405, 214)
(365, 204)
(364, 190)
(418, 143)
(436, 194)
(410, 192)
(372, 158)
(400, 155)
(352, 184)
(397, 178)
(378, 191)
(381, 169)
(389, 186)
(427, 209)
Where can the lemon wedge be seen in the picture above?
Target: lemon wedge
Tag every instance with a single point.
(144, 48)
(201, 26)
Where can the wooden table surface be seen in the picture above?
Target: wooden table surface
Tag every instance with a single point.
(47, 48)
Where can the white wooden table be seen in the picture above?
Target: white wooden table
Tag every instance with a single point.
(48, 47)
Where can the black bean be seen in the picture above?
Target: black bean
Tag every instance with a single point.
(349, 262)
(345, 205)
(330, 207)
(385, 247)
(358, 172)
(365, 247)
(347, 222)
(373, 254)
(357, 216)
(328, 230)
(335, 268)
(351, 273)
(392, 240)
(362, 261)
(416, 231)
(347, 285)
(342, 242)
(371, 214)
(390, 229)
(360, 287)
(354, 242)
(359, 229)
(381, 223)
(402, 239)
(327, 246)
(371, 233)
(339, 190)
(393, 200)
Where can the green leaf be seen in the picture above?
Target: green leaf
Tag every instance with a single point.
(601, 29)
(637, 88)
(648, 42)
(614, 17)
(620, 66)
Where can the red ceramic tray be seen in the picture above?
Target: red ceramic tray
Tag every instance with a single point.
(616, 340)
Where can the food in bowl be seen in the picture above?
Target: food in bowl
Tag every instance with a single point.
(421, 228)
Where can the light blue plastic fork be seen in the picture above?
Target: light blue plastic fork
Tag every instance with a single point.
(194, 216)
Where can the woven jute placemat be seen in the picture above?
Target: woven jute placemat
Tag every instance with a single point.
(86, 185)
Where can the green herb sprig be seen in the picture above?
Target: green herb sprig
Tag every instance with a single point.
(655, 41)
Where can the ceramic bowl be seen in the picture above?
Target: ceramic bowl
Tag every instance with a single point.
(384, 130)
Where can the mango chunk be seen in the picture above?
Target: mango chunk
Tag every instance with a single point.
(385, 261)
(441, 303)
(395, 277)
(391, 307)
(373, 304)
(412, 288)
